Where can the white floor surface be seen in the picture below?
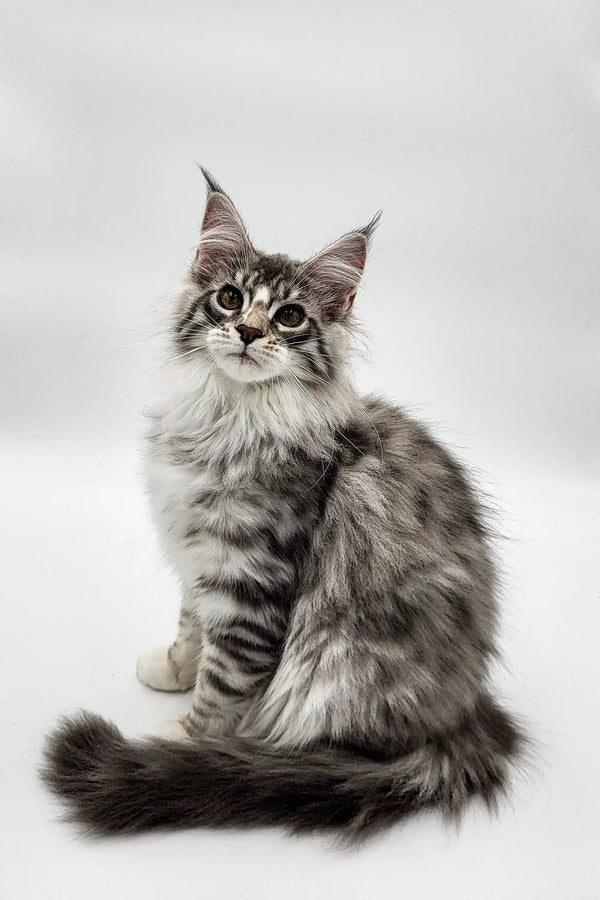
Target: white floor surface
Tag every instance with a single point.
(84, 591)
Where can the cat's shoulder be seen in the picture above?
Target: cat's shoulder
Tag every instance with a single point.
(384, 424)
(384, 429)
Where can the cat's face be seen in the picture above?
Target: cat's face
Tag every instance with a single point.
(257, 317)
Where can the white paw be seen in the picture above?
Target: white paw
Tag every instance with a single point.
(154, 669)
(173, 730)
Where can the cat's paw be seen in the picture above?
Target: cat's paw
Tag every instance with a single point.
(174, 730)
(155, 669)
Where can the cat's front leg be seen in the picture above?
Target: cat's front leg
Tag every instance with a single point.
(239, 655)
(239, 658)
(173, 668)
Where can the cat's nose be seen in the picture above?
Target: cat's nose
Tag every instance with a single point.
(248, 334)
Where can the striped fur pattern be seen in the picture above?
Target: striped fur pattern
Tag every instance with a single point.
(339, 607)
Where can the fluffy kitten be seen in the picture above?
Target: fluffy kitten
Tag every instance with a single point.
(338, 596)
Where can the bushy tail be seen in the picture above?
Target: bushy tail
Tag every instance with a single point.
(113, 785)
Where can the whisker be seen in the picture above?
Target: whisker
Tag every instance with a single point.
(150, 342)
(335, 428)
(208, 316)
(187, 374)
(352, 399)
(181, 355)
(125, 327)
(325, 468)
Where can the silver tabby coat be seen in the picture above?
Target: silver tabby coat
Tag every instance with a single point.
(338, 595)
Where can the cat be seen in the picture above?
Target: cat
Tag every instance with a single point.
(339, 601)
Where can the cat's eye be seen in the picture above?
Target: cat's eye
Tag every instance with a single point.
(229, 297)
(290, 316)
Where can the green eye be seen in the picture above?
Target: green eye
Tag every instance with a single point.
(229, 297)
(290, 316)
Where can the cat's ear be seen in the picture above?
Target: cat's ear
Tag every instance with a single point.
(337, 270)
(223, 237)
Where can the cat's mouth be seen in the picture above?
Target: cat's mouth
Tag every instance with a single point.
(242, 365)
(243, 358)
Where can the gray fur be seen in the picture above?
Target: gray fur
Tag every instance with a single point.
(339, 596)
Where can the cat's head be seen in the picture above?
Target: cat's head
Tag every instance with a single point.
(258, 317)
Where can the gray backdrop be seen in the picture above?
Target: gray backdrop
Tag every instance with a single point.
(473, 125)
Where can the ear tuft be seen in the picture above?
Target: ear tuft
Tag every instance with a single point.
(369, 230)
(212, 185)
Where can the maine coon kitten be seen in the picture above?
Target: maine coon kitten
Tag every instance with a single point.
(338, 610)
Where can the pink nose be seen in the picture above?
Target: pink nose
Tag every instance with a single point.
(248, 334)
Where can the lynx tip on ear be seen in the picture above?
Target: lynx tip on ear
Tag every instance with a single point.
(369, 230)
(212, 185)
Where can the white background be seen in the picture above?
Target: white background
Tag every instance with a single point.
(475, 125)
